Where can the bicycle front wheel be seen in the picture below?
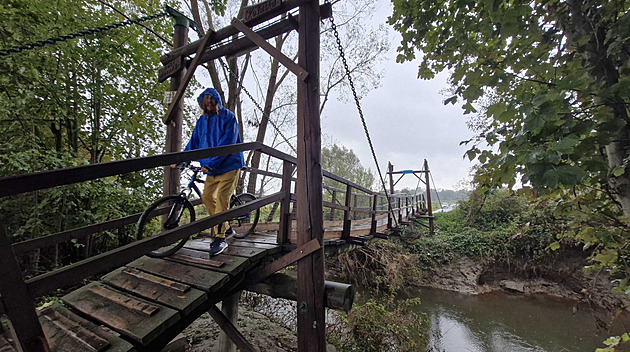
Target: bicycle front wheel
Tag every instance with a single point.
(165, 214)
(246, 224)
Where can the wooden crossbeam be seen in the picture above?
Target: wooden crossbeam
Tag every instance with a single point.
(189, 74)
(231, 331)
(270, 49)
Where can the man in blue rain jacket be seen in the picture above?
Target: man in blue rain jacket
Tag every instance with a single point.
(217, 127)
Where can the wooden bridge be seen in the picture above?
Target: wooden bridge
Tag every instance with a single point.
(148, 301)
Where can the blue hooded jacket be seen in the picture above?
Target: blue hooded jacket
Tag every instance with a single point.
(217, 130)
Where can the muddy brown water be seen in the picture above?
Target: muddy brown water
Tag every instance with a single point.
(501, 322)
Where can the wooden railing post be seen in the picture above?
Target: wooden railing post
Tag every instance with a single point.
(334, 199)
(400, 218)
(285, 205)
(18, 302)
(347, 223)
(390, 215)
(356, 205)
(373, 224)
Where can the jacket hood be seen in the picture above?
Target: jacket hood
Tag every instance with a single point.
(213, 93)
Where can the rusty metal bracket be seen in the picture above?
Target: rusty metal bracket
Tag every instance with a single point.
(270, 49)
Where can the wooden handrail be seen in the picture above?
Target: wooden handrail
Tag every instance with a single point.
(115, 258)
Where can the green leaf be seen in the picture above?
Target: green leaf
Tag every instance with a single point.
(554, 246)
(618, 171)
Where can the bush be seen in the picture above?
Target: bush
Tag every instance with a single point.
(381, 325)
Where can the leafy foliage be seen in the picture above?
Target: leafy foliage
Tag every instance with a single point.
(85, 100)
(343, 162)
(382, 325)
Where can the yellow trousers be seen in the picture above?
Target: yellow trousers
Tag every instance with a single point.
(216, 196)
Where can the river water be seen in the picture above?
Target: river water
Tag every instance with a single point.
(504, 322)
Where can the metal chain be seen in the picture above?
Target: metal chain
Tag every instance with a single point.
(89, 31)
(358, 104)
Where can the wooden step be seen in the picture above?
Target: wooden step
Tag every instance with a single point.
(251, 253)
(231, 265)
(67, 332)
(137, 319)
(201, 279)
(172, 294)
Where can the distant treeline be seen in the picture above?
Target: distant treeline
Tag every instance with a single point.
(443, 195)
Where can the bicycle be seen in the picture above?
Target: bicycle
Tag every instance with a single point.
(181, 211)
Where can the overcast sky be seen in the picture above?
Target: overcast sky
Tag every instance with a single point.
(406, 120)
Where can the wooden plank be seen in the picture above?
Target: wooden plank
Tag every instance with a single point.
(112, 309)
(284, 226)
(156, 289)
(205, 280)
(231, 330)
(253, 254)
(231, 265)
(261, 238)
(297, 70)
(271, 248)
(190, 72)
(67, 332)
(253, 12)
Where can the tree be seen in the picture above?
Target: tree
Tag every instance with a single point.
(84, 100)
(557, 73)
(342, 161)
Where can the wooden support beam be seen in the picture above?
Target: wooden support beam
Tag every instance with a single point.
(339, 296)
(270, 49)
(226, 325)
(172, 108)
(311, 308)
(429, 206)
(18, 302)
(229, 308)
(374, 223)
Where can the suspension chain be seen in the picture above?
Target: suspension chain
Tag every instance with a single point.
(85, 32)
(333, 26)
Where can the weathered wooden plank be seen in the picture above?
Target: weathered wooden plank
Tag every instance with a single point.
(271, 248)
(253, 254)
(67, 332)
(231, 265)
(260, 238)
(113, 309)
(205, 280)
(156, 289)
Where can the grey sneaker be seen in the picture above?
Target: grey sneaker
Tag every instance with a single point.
(218, 246)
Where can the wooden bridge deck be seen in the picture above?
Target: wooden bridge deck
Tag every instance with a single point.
(149, 301)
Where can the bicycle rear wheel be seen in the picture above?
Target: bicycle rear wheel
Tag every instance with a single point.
(165, 214)
(246, 224)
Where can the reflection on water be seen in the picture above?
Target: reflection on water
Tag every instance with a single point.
(503, 322)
